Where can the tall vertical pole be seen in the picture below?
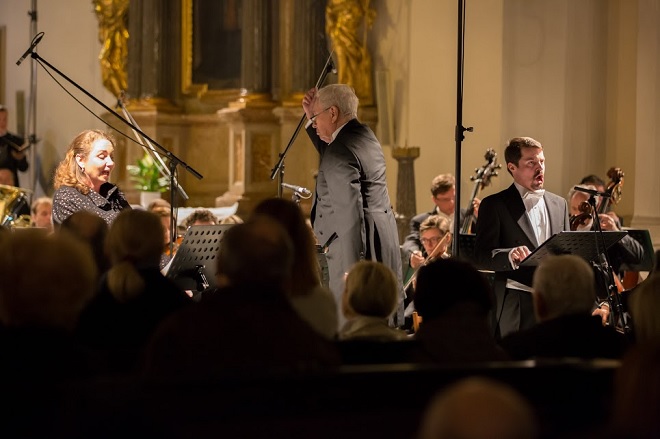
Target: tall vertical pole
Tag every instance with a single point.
(460, 129)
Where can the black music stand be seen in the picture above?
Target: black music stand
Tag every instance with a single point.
(583, 244)
(194, 264)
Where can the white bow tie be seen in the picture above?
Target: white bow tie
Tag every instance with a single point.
(534, 195)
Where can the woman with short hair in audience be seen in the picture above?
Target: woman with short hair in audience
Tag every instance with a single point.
(371, 295)
(314, 303)
(133, 296)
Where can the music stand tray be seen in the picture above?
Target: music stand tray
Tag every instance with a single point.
(195, 260)
(583, 244)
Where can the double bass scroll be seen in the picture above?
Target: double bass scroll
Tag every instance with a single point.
(481, 180)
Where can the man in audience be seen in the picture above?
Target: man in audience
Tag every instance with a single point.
(247, 325)
(563, 293)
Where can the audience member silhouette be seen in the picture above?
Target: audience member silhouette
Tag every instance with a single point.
(133, 296)
(371, 295)
(454, 300)
(563, 293)
(92, 230)
(45, 281)
(645, 310)
(314, 303)
(479, 408)
(247, 325)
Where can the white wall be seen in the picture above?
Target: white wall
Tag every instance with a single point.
(71, 45)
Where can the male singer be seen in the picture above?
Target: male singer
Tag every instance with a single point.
(511, 224)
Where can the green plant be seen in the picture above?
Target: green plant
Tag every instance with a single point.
(146, 176)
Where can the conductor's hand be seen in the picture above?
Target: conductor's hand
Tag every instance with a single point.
(416, 259)
(518, 254)
(308, 101)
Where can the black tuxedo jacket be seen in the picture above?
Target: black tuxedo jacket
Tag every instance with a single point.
(503, 225)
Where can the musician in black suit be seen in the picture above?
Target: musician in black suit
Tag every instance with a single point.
(10, 157)
(351, 201)
(512, 223)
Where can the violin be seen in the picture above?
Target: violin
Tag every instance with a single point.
(582, 219)
(440, 249)
(481, 180)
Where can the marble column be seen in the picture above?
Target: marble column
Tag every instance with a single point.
(406, 207)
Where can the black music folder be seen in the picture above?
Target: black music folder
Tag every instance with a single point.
(196, 258)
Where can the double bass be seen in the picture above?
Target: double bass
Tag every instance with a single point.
(481, 180)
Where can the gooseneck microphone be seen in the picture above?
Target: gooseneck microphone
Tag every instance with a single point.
(35, 41)
(301, 190)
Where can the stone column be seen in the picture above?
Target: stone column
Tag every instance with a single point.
(256, 50)
(406, 207)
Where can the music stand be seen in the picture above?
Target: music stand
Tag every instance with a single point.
(194, 264)
(583, 244)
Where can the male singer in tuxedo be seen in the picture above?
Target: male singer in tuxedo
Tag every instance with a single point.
(511, 224)
(351, 201)
(10, 158)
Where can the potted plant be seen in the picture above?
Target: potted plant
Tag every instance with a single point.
(146, 178)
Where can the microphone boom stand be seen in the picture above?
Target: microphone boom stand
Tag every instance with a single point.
(278, 170)
(173, 159)
(613, 296)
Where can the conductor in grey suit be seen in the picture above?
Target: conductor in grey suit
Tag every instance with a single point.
(351, 212)
(512, 223)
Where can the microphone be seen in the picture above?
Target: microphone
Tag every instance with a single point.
(35, 41)
(301, 190)
(591, 192)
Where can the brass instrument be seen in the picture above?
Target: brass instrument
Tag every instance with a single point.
(12, 199)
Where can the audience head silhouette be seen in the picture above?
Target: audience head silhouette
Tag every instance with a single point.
(563, 285)
(477, 408)
(371, 290)
(444, 283)
(258, 252)
(288, 215)
(135, 240)
(92, 230)
(45, 281)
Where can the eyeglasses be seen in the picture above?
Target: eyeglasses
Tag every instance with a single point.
(433, 240)
(313, 118)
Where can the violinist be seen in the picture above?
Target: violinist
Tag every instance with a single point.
(443, 195)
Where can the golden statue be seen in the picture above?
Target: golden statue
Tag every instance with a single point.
(347, 23)
(114, 37)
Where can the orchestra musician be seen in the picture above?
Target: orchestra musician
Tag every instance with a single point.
(511, 224)
(435, 236)
(12, 154)
(443, 195)
(82, 179)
